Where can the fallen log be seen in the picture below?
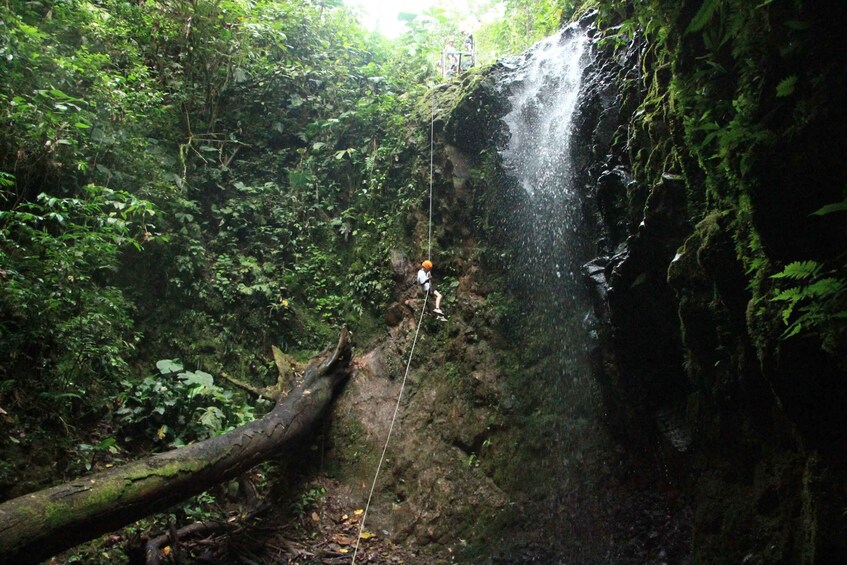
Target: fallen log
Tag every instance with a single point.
(41, 524)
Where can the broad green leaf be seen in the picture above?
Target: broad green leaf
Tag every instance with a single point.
(168, 366)
(108, 443)
(830, 208)
(197, 378)
(786, 86)
(212, 417)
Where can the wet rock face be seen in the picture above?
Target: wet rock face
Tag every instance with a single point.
(641, 305)
(436, 490)
(640, 354)
(474, 120)
(610, 201)
(682, 357)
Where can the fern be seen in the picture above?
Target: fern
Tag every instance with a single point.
(736, 22)
(792, 296)
(703, 16)
(799, 270)
(786, 86)
(816, 306)
(789, 294)
(825, 287)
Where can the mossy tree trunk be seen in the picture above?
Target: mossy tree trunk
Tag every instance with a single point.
(36, 526)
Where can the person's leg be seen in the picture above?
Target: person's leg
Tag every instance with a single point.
(437, 300)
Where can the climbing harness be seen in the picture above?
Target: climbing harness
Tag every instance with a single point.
(411, 351)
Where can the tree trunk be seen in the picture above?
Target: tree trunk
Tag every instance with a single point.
(36, 526)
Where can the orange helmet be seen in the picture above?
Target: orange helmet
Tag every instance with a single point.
(427, 264)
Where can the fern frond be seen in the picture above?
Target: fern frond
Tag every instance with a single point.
(703, 16)
(736, 21)
(786, 86)
(792, 330)
(789, 294)
(799, 270)
(828, 287)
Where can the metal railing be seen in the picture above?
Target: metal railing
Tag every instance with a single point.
(455, 62)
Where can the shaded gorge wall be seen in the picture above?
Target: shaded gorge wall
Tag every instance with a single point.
(576, 494)
(700, 435)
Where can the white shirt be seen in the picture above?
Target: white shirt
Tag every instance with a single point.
(423, 278)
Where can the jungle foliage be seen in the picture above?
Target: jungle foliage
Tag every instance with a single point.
(503, 28)
(189, 179)
(195, 180)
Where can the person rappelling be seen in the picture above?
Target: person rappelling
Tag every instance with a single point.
(425, 280)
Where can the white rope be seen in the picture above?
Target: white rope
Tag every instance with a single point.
(390, 428)
(431, 141)
(411, 352)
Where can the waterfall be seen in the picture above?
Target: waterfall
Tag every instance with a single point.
(547, 244)
(543, 89)
(543, 96)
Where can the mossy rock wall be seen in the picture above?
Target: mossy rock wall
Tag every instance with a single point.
(690, 230)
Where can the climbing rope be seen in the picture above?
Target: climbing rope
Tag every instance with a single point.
(390, 429)
(431, 141)
(411, 351)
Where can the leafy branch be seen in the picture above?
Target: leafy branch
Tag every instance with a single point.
(816, 304)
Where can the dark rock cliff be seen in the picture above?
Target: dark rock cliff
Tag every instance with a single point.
(732, 427)
(749, 420)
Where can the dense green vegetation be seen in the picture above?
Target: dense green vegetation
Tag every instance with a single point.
(193, 181)
(184, 183)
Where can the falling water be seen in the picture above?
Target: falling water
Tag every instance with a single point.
(545, 231)
(543, 90)
(543, 98)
